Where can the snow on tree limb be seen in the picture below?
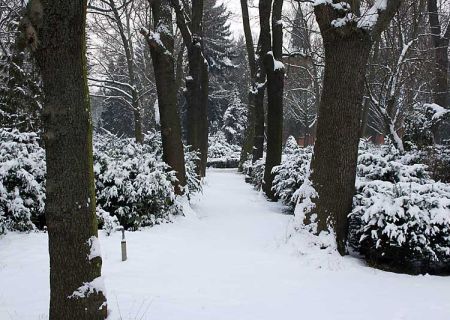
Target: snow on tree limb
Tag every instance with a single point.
(373, 19)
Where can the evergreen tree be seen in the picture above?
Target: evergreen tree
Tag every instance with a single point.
(235, 119)
(217, 35)
(220, 54)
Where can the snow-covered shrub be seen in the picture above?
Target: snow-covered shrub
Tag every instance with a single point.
(417, 129)
(222, 154)
(132, 182)
(254, 172)
(437, 158)
(106, 221)
(193, 181)
(401, 218)
(291, 173)
(22, 179)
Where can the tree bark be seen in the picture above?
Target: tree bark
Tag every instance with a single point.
(333, 166)
(275, 85)
(196, 82)
(338, 131)
(248, 144)
(264, 46)
(70, 196)
(162, 53)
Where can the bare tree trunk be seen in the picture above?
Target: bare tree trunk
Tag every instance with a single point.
(264, 46)
(162, 53)
(248, 143)
(333, 166)
(197, 81)
(75, 263)
(275, 84)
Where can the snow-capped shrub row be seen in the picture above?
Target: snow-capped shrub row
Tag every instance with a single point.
(133, 184)
(400, 218)
(254, 172)
(222, 154)
(290, 175)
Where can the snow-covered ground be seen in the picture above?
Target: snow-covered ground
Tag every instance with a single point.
(230, 261)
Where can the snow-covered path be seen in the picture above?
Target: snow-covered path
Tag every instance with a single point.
(230, 262)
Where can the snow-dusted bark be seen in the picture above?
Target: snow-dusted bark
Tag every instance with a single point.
(161, 43)
(198, 79)
(347, 47)
(70, 191)
(272, 36)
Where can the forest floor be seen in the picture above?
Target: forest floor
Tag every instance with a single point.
(228, 259)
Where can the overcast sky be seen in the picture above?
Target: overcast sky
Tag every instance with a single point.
(236, 20)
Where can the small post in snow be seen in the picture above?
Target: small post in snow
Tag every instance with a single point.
(123, 244)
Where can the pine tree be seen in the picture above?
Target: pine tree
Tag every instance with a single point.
(217, 36)
(235, 119)
(220, 52)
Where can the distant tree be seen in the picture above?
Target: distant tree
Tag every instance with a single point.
(235, 120)
(394, 81)
(440, 38)
(303, 79)
(56, 33)
(117, 115)
(114, 22)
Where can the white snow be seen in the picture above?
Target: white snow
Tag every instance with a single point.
(94, 246)
(228, 261)
(439, 111)
(87, 288)
(370, 17)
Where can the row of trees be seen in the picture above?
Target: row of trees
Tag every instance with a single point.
(55, 34)
(374, 65)
(370, 55)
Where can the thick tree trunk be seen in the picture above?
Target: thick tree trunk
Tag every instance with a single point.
(247, 146)
(196, 82)
(75, 263)
(275, 85)
(264, 46)
(163, 65)
(333, 167)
